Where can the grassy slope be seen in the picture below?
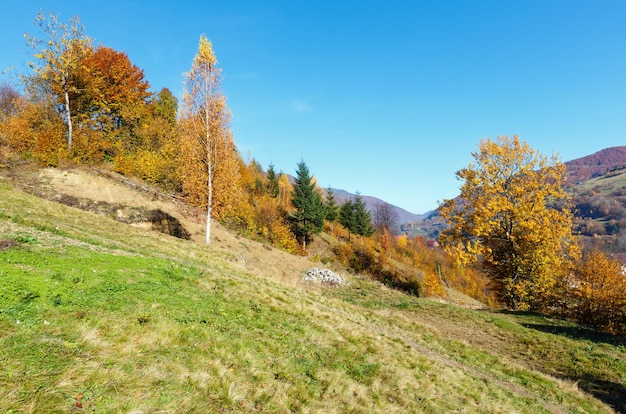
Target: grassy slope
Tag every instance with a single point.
(97, 316)
(605, 184)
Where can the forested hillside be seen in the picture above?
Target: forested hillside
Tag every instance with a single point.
(596, 164)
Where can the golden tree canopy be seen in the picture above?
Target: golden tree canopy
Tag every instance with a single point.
(508, 219)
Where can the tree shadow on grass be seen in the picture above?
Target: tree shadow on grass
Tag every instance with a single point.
(609, 392)
(578, 333)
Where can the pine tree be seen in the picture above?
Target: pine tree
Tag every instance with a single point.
(346, 216)
(308, 217)
(362, 218)
(272, 182)
(353, 215)
(331, 207)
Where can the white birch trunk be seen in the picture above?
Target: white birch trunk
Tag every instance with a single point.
(209, 206)
(69, 120)
(207, 136)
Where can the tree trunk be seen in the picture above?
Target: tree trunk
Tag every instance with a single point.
(209, 206)
(69, 121)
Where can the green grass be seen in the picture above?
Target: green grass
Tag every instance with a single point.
(97, 316)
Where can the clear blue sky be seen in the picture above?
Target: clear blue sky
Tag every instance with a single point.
(388, 98)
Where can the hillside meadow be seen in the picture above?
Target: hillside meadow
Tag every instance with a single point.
(99, 316)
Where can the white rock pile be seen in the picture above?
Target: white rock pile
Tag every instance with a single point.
(326, 276)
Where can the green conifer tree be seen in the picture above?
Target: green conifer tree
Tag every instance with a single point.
(272, 182)
(332, 209)
(346, 216)
(354, 216)
(308, 216)
(362, 218)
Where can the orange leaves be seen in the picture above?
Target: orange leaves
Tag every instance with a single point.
(272, 224)
(34, 130)
(117, 88)
(596, 293)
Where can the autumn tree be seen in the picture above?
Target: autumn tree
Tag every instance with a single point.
(156, 159)
(595, 293)
(285, 190)
(202, 112)
(60, 51)
(33, 129)
(118, 95)
(505, 220)
(308, 216)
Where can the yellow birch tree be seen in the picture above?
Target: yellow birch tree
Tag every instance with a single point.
(200, 97)
(60, 51)
(210, 164)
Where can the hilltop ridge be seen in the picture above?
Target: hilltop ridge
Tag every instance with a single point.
(593, 165)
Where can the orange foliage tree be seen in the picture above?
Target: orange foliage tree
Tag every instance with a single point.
(34, 129)
(595, 294)
(118, 95)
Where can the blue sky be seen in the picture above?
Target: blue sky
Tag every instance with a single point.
(388, 98)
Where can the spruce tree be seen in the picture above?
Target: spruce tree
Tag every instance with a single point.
(346, 216)
(354, 216)
(332, 209)
(362, 218)
(272, 182)
(307, 218)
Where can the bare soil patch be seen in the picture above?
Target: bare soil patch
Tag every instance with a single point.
(7, 244)
(130, 201)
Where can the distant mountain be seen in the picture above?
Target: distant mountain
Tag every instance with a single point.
(578, 170)
(371, 203)
(594, 165)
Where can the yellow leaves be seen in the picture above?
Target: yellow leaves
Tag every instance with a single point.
(205, 52)
(432, 285)
(34, 129)
(402, 242)
(505, 218)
